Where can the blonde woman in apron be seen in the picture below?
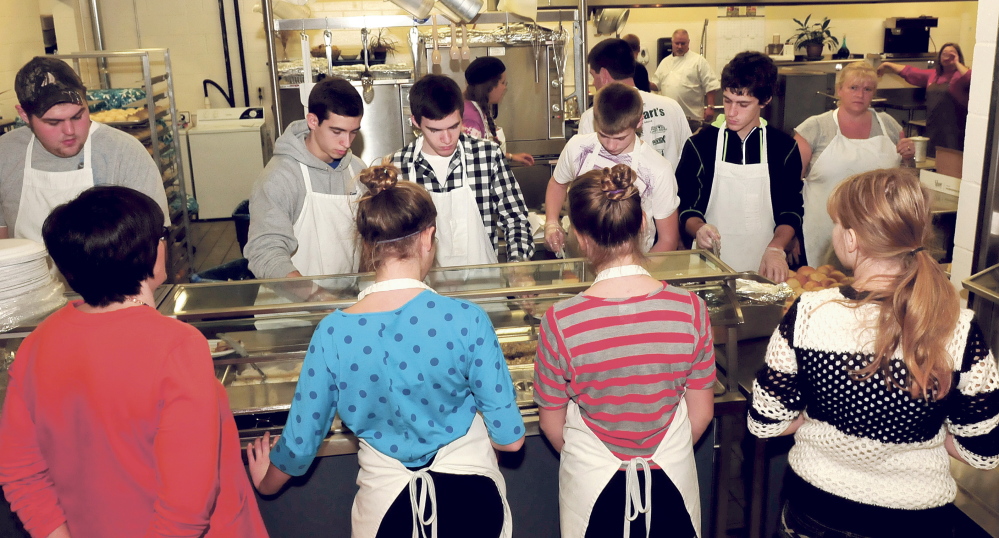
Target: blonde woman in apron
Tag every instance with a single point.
(624, 379)
(419, 378)
(852, 149)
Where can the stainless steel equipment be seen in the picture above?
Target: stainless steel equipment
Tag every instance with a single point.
(531, 114)
(388, 106)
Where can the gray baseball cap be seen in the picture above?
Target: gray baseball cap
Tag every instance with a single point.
(45, 82)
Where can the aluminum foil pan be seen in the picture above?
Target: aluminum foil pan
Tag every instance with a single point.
(754, 292)
(516, 33)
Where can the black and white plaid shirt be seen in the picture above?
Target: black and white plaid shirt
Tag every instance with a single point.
(501, 204)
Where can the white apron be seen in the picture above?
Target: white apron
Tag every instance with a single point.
(43, 191)
(740, 207)
(843, 158)
(462, 237)
(325, 232)
(381, 479)
(587, 465)
(596, 161)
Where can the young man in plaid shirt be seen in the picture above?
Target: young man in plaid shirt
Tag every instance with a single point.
(473, 188)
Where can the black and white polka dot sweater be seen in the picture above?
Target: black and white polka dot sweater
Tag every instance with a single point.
(869, 441)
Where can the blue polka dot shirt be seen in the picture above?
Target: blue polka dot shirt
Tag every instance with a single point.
(408, 381)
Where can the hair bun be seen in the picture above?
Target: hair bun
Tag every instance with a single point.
(379, 178)
(618, 183)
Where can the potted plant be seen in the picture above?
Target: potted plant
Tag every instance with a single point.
(813, 37)
(382, 42)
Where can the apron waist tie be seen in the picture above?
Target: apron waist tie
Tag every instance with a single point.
(633, 505)
(427, 498)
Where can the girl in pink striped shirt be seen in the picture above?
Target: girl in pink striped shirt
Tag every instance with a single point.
(624, 378)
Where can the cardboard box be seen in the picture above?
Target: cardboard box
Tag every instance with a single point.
(949, 162)
(940, 182)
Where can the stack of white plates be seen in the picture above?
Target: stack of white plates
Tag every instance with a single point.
(23, 267)
(27, 288)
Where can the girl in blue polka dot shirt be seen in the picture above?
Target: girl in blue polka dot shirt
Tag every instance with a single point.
(419, 378)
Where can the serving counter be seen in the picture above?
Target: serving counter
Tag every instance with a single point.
(260, 329)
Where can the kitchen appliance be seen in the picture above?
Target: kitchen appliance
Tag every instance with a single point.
(532, 113)
(664, 48)
(383, 125)
(907, 36)
(220, 181)
(797, 97)
(611, 21)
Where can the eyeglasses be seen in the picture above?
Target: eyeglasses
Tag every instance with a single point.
(165, 236)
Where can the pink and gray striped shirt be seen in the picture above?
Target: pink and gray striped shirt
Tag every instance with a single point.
(625, 362)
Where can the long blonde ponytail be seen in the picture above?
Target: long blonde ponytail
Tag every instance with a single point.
(889, 210)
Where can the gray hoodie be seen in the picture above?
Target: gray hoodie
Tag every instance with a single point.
(278, 197)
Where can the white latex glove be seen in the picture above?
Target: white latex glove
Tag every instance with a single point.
(555, 237)
(706, 236)
(774, 264)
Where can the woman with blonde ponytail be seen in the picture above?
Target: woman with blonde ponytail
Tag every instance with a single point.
(879, 381)
(624, 378)
(419, 378)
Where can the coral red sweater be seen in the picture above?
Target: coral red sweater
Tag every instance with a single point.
(115, 424)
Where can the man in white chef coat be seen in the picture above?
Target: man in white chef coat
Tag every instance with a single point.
(663, 124)
(687, 77)
(60, 152)
(301, 214)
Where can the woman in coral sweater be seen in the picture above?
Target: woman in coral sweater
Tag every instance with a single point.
(114, 423)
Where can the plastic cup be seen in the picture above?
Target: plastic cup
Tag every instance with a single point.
(920, 144)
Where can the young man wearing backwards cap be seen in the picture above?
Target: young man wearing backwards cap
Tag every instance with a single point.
(61, 153)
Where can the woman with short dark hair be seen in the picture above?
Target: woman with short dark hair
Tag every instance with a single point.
(114, 423)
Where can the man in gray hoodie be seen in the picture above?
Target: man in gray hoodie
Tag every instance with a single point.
(300, 217)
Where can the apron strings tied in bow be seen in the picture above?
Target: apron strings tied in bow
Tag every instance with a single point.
(427, 499)
(633, 505)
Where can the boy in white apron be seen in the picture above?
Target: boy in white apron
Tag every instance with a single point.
(302, 206)
(618, 115)
(473, 188)
(739, 181)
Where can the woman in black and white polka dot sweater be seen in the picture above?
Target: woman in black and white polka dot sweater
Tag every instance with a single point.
(881, 381)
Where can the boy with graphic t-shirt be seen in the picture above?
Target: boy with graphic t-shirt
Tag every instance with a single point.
(617, 113)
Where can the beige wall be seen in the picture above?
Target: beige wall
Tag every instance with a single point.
(190, 29)
(861, 23)
(20, 40)
(974, 146)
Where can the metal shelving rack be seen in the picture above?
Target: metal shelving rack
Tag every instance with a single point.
(160, 104)
(569, 16)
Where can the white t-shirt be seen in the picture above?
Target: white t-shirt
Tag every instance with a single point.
(664, 127)
(687, 79)
(656, 183)
(439, 163)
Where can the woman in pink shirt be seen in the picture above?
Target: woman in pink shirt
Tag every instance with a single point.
(486, 78)
(114, 423)
(948, 87)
